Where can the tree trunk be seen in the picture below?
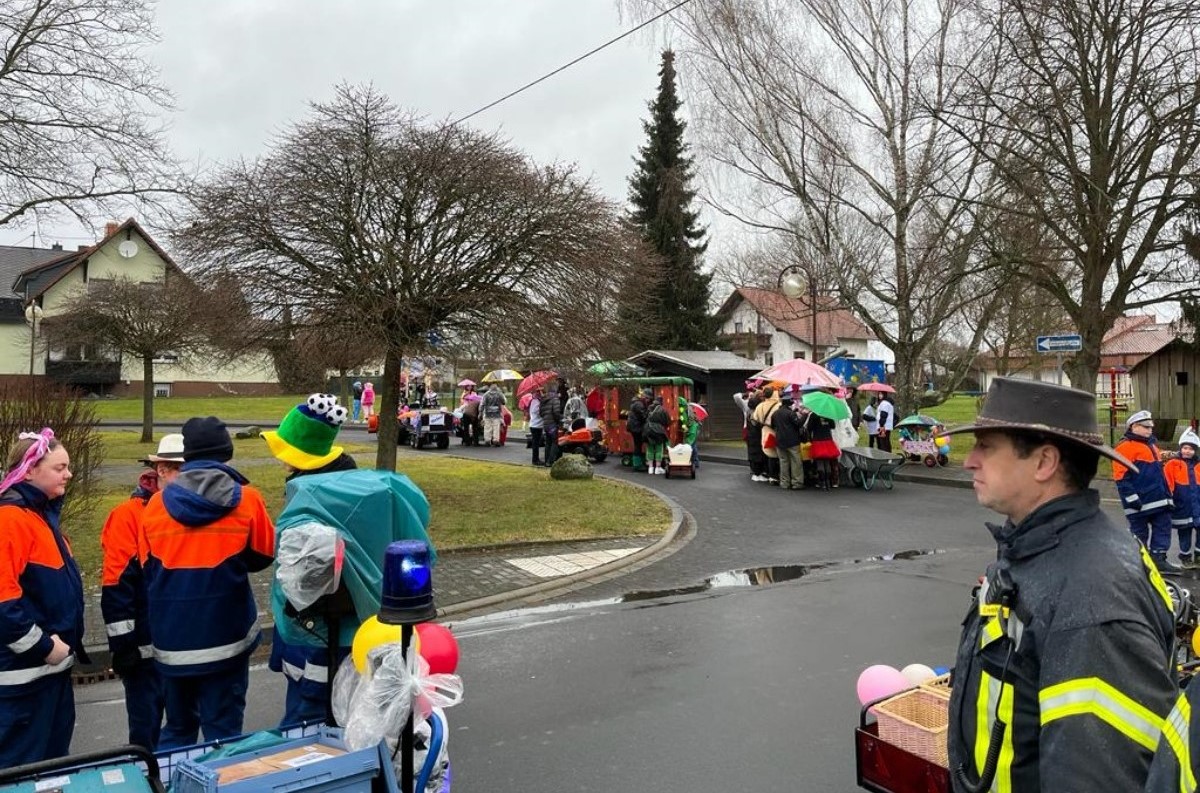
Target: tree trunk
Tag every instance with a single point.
(147, 398)
(908, 390)
(387, 404)
(1082, 368)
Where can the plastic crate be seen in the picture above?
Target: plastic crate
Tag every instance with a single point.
(348, 772)
(916, 721)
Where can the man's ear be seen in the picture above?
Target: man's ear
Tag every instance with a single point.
(1049, 463)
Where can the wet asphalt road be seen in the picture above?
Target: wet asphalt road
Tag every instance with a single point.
(728, 687)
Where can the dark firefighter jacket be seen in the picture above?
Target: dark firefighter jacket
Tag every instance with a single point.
(41, 591)
(1185, 491)
(1090, 677)
(1143, 491)
(201, 537)
(1174, 766)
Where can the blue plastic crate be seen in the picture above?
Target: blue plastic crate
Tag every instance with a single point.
(352, 772)
(122, 777)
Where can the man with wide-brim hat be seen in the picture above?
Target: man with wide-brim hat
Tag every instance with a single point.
(1069, 640)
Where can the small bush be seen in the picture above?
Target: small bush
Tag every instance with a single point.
(27, 406)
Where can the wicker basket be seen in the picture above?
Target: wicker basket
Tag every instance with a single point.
(916, 721)
(938, 685)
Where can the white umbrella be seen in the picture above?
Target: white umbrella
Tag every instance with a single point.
(501, 375)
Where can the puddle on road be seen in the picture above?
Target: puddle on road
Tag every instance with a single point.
(764, 576)
(730, 579)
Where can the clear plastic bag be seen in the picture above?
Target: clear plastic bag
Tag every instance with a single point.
(381, 702)
(309, 563)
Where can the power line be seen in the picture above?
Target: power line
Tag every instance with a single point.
(565, 66)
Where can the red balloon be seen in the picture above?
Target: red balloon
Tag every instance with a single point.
(438, 647)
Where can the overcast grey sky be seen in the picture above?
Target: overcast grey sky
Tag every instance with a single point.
(242, 69)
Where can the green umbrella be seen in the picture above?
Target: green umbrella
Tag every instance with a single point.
(826, 406)
(917, 420)
(616, 369)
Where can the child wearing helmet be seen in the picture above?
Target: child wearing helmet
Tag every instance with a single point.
(1185, 492)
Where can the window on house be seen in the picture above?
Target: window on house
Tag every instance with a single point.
(737, 327)
(162, 389)
(798, 354)
(769, 358)
(166, 357)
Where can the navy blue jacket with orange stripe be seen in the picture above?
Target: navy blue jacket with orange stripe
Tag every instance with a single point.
(1144, 491)
(201, 537)
(41, 590)
(122, 586)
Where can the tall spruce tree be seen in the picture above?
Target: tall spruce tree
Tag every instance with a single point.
(668, 309)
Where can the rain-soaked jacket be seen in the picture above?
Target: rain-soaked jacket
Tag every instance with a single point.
(1174, 767)
(1090, 676)
(1143, 491)
(201, 537)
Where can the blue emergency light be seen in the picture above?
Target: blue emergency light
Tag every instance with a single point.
(407, 584)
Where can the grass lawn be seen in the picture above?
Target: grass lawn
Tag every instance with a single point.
(472, 504)
(121, 446)
(266, 409)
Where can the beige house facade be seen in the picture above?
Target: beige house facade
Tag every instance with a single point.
(37, 283)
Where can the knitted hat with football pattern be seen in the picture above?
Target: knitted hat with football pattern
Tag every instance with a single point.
(305, 437)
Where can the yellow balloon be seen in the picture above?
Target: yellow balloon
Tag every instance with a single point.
(1196, 642)
(373, 633)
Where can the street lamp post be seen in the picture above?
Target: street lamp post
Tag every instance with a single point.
(794, 281)
(33, 315)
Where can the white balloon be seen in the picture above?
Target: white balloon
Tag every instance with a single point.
(917, 673)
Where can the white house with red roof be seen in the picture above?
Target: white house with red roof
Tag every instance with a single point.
(767, 326)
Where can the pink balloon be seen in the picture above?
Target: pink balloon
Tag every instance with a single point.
(879, 681)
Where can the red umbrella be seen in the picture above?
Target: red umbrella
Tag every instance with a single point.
(882, 388)
(799, 371)
(535, 381)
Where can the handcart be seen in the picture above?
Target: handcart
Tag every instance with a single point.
(886, 768)
(900, 743)
(867, 466)
(680, 462)
(126, 769)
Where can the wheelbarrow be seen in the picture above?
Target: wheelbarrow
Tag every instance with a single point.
(867, 466)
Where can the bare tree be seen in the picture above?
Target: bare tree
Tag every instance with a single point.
(142, 320)
(414, 228)
(77, 97)
(826, 113)
(1093, 107)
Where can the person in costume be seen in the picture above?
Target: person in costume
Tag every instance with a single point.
(123, 597)
(41, 604)
(304, 444)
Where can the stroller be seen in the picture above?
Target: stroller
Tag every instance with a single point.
(585, 440)
(920, 442)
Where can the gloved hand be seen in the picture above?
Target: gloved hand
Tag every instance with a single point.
(126, 661)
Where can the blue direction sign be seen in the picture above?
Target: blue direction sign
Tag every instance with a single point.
(1070, 342)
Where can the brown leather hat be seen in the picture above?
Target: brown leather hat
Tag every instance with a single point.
(1013, 404)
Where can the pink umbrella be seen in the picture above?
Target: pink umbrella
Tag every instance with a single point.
(698, 411)
(465, 382)
(882, 388)
(533, 381)
(523, 402)
(799, 371)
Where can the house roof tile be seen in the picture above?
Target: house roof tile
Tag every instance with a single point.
(703, 360)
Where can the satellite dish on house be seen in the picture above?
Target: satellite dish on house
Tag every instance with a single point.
(128, 249)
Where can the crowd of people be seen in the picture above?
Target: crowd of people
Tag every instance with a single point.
(549, 411)
(177, 603)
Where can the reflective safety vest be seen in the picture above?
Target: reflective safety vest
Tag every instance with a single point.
(1174, 767)
(1145, 490)
(122, 586)
(1080, 670)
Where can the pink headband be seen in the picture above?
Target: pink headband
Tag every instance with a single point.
(41, 445)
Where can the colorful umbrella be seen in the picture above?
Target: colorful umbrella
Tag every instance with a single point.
(799, 371)
(523, 402)
(501, 375)
(826, 405)
(698, 410)
(880, 388)
(465, 382)
(535, 380)
(617, 369)
(917, 420)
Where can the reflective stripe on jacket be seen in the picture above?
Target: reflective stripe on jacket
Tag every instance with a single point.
(122, 586)
(202, 612)
(1091, 675)
(41, 591)
(1174, 769)
(1143, 491)
(1185, 492)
